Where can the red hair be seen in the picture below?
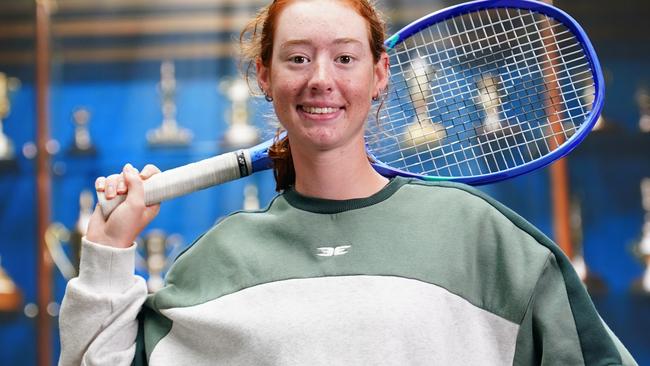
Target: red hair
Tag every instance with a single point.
(256, 41)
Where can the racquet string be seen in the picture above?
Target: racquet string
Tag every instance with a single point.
(482, 93)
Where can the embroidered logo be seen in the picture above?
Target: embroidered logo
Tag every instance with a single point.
(332, 251)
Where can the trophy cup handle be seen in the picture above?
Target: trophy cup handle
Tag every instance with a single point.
(55, 234)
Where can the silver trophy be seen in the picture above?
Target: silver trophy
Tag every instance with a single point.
(594, 283)
(643, 101)
(490, 100)
(82, 144)
(240, 132)
(643, 247)
(588, 96)
(7, 85)
(169, 133)
(251, 198)
(422, 131)
(57, 234)
(160, 251)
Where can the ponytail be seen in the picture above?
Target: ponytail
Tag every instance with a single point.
(283, 170)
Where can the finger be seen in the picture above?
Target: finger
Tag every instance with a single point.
(133, 182)
(110, 189)
(121, 185)
(148, 171)
(100, 183)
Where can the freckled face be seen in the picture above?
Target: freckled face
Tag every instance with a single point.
(322, 75)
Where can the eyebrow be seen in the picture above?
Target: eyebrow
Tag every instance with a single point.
(298, 42)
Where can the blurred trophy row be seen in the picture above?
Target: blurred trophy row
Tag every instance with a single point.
(156, 249)
(240, 133)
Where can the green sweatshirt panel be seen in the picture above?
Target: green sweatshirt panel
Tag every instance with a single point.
(597, 346)
(152, 327)
(548, 335)
(406, 234)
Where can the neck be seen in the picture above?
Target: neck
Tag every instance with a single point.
(338, 174)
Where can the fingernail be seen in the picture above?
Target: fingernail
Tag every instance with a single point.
(121, 187)
(110, 190)
(99, 185)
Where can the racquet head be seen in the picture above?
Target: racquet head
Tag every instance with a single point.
(485, 91)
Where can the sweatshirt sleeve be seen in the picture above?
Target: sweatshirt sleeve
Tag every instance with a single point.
(98, 315)
(562, 327)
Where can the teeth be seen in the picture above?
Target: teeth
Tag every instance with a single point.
(316, 110)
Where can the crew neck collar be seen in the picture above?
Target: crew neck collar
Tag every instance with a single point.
(328, 206)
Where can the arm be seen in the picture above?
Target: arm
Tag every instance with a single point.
(562, 327)
(98, 316)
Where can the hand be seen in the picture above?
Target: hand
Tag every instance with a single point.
(131, 216)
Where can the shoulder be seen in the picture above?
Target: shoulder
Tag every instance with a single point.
(235, 230)
(497, 251)
(472, 207)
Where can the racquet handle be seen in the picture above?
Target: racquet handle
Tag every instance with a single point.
(186, 179)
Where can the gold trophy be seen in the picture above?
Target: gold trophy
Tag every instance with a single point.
(240, 133)
(7, 85)
(422, 130)
(642, 285)
(82, 144)
(10, 295)
(643, 101)
(169, 133)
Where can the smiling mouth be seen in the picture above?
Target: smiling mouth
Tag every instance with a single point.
(318, 110)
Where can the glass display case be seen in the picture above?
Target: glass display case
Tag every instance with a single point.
(157, 82)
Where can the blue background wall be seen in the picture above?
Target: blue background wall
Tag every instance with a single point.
(124, 102)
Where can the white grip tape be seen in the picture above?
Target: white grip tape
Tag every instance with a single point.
(185, 179)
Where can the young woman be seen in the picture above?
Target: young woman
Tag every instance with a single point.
(344, 267)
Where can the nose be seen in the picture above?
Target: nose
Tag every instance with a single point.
(321, 79)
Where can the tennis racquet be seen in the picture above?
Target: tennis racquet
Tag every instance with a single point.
(478, 92)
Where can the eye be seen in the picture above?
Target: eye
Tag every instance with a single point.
(299, 59)
(345, 59)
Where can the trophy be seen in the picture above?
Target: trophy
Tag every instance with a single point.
(82, 144)
(7, 85)
(169, 133)
(240, 133)
(489, 99)
(86, 207)
(57, 234)
(10, 295)
(643, 101)
(594, 284)
(251, 199)
(159, 248)
(643, 247)
(422, 130)
(588, 96)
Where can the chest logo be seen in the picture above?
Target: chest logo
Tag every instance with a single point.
(332, 251)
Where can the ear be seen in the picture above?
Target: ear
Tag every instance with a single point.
(382, 72)
(263, 76)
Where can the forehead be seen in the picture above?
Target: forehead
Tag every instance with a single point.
(320, 20)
